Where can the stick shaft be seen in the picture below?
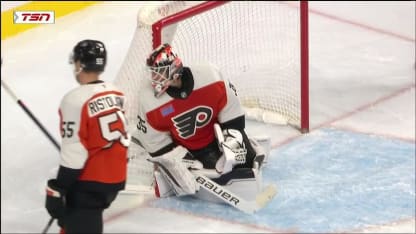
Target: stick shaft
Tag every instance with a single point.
(48, 225)
(30, 114)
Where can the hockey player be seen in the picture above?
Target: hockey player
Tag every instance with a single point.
(94, 146)
(176, 124)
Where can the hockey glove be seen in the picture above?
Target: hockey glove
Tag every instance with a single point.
(233, 148)
(55, 199)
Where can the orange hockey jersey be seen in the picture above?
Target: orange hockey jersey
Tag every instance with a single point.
(94, 133)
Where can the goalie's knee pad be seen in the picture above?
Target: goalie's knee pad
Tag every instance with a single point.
(176, 172)
(192, 163)
(261, 146)
(163, 187)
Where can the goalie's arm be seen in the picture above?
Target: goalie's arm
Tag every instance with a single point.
(154, 141)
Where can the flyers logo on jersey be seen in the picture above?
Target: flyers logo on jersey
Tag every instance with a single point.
(187, 122)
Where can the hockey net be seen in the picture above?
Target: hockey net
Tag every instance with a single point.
(260, 46)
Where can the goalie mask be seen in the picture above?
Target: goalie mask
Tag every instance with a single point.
(91, 54)
(164, 66)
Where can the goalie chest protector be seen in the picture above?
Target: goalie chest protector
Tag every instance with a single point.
(189, 121)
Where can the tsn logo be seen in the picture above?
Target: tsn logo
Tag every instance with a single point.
(34, 17)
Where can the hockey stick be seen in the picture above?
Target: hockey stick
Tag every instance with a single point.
(48, 225)
(28, 112)
(265, 196)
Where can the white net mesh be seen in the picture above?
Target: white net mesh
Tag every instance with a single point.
(255, 44)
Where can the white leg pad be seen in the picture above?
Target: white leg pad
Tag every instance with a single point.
(262, 145)
(164, 187)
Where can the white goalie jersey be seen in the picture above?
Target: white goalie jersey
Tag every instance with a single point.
(189, 120)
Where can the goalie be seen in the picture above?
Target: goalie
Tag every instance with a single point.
(192, 120)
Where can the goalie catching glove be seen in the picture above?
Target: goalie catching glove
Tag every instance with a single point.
(233, 148)
(173, 168)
